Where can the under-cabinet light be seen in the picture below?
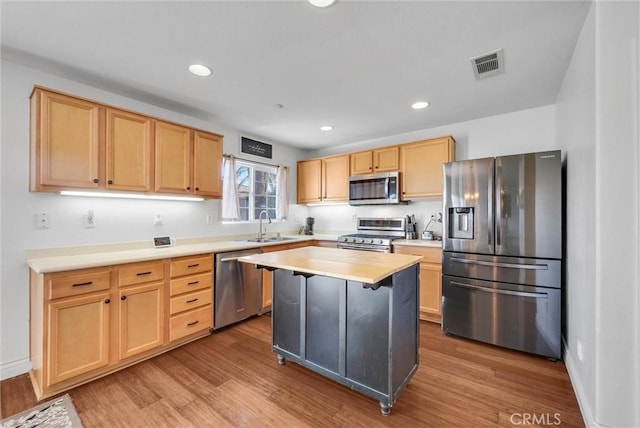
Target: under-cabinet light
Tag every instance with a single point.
(129, 196)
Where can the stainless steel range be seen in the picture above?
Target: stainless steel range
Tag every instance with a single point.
(375, 234)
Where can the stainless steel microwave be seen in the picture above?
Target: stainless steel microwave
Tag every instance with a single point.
(375, 189)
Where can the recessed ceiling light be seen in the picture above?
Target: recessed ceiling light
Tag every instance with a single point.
(322, 3)
(326, 128)
(200, 70)
(419, 105)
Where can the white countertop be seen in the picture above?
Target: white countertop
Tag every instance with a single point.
(417, 243)
(82, 257)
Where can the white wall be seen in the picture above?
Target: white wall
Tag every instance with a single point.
(116, 220)
(598, 121)
(575, 109)
(518, 132)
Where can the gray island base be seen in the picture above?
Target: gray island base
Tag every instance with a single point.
(364, 336)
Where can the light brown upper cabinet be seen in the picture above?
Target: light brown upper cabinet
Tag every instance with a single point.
(372, 161)
(323, 180)
(309, 181)
(172, 158)
(129, 148)
(207, 164)
(335, 178)
(81, 144)
(65, 142)
(421, 167)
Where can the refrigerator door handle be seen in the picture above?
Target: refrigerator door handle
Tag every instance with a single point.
(499, 291)
(498, 201)
(500, 264)
(490, 202)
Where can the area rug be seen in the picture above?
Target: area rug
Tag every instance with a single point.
(57, 413)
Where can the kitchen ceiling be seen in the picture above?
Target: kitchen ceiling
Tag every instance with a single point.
(282, 69)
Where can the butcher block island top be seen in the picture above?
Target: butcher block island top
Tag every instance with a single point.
(353, 265)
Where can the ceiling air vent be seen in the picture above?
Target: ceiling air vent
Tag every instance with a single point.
(488, 64)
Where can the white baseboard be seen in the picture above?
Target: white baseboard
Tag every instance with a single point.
(583, 403)
(14, 368)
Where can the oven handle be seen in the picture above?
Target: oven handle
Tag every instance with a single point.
(499, 264)
(499, 291)
(356, 247)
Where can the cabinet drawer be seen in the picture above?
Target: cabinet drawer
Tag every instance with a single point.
(191, 283)
(190, 265)
(191, 301)
(73, 284)
(137, 273)
(190, 322)
(429, 255)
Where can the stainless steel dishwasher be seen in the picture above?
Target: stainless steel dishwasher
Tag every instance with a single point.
(238, 288)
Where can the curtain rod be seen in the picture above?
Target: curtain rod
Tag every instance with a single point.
(252, 161)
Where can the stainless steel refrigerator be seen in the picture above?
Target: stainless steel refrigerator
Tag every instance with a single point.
(502, 251)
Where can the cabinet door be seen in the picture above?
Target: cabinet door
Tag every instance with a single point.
(78, 339)
(386, 159)
(335, 178)
(129, 151)
(172, 158)
(65, 142)
(421, 167)
(207, 164)
(430, 292)
(309, 181)
(141, 319)
(361, 163)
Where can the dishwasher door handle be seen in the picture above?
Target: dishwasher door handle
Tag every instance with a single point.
(229, 259)
(499, 291)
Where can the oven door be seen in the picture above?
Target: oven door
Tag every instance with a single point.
(515, 316)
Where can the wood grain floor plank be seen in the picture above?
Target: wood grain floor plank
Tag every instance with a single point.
(232, 379)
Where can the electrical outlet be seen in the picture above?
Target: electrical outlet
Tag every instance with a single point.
(209, 218)
(89, 220)
(157, 220)
(354, 217)
(579, 350)
(42, 221)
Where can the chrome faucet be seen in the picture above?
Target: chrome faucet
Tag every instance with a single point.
(260, 231)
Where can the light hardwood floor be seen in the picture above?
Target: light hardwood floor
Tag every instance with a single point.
(232, 379)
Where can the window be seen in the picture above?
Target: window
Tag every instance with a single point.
(257, 190)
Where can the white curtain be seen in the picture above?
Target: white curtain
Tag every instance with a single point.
(282, 202)
(230, 203)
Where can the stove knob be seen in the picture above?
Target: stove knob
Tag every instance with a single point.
(360, 240)
(370, 241)
(380, 241)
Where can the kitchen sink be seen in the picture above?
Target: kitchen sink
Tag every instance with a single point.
(272, 239)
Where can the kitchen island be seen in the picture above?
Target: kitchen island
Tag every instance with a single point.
(349, 315)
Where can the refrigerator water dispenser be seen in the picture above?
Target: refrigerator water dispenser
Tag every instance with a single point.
(460, 223)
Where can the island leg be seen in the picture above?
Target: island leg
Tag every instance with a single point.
(281, 360)
(385, 408)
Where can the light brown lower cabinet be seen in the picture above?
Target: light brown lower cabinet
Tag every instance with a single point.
(430, 280)
(267, 278)
(87, 323)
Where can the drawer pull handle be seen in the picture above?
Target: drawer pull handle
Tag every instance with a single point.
(123, 298)
(143, 273)
(192, 266)
(107, 301)
(81, 284)
(192, 282)
(192, 323)
(192, 300)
